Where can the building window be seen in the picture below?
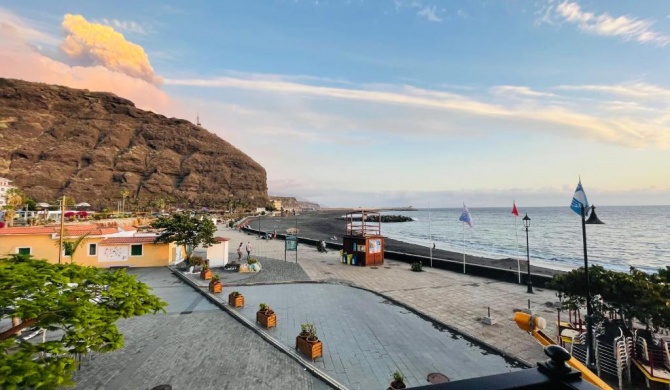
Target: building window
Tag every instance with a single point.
(23, 251)
(136, 250)
(92, 249)
(68, 248)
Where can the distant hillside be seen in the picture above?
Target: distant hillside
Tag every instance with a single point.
(291, 203)
(90, 145)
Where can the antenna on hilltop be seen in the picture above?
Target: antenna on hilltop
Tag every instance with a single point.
(197, 119)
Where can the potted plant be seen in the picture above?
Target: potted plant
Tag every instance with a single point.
(266, 316)
(307, 342)
(311, 336)
(235, 299)
(398, 380)
(215, 285)
(206, 273)
(304, 330)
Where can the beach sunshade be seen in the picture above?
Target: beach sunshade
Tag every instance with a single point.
(82, 204)
(43, 205)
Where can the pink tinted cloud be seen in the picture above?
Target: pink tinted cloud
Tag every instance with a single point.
(21, 60)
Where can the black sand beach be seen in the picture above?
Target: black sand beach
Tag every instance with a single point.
(323, 225)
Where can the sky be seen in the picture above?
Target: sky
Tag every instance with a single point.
(386, 103)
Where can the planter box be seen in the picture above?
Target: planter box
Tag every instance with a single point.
(215, 287)
(206, 274)
(312, 351)
(267, 321)
(236, 301)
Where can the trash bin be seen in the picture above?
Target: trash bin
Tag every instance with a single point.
(353, 260)
(349, 258)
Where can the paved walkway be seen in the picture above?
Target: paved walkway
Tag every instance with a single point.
(454, 299)
(366, 338)
(195, 345)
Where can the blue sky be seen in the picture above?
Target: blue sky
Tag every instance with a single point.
(379, 103)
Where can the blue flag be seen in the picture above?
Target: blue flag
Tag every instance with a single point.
(466, 217)
(579, 200)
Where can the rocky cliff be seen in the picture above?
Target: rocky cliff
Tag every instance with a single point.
(90, 145)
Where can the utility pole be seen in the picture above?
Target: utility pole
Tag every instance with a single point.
(60, 235)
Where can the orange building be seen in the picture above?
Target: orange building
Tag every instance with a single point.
(102, 247)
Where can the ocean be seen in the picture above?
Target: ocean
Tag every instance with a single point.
(636, 236)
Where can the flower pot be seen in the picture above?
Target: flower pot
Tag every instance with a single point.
(311, 350)
(397, 385)
(215, 287)
(236, 300)
(206, 274)
(266, 320)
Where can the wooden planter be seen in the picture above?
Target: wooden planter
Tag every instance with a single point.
(215, 287)
(206, 274)
(311, 350)
(266, 320)
(236, 300)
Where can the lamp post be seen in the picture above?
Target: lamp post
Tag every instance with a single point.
(529, 282)
(259, 224)
(593, 220)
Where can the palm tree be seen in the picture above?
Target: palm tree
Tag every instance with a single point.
(124, 195)
(14, 198)
(9, 217)
(70, 247)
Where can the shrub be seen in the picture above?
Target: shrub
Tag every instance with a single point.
(252, 260)
(417, 267)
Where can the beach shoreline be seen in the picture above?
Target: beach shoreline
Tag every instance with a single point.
(324, 225)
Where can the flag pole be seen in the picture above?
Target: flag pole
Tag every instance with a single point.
(430, 235)
(516, 231)
(463, 248)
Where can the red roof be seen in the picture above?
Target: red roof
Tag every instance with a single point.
(72, 230)
(127, 240)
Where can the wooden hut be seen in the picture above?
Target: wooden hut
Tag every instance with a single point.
(363, 237)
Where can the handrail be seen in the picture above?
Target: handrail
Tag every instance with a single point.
(534, 325)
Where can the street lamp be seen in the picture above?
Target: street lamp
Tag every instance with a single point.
(526, 224)
(593, 220)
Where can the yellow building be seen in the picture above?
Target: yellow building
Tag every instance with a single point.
(103, 247)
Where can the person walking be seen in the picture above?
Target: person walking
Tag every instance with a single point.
(239, 252)
(249, 247)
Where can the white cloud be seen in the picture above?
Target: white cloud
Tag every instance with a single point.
(429, 13)
(124, 25)
(633, 90)
(629, 28)
(507, 90)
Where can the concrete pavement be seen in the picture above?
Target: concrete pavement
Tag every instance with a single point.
(195, 345)
(457, 300)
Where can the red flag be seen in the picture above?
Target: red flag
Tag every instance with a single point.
(515, 212)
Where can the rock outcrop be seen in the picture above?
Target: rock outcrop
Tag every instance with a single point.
(91, 145)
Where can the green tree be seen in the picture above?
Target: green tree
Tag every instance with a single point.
(186, 230)
(71, 247)
(124, 195)
(637, 295)
(81, 303)
(270, 207)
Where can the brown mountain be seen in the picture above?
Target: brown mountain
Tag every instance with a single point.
(91, 145)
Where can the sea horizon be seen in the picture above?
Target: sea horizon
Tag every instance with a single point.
(630, 236)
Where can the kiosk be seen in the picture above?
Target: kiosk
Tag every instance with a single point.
(363, 238)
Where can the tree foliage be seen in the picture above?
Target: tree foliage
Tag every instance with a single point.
(637, 295)
(81, 303)
(187, 230)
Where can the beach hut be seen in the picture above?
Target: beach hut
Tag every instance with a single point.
(363, 238)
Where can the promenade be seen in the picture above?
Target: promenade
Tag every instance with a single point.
(456, 300)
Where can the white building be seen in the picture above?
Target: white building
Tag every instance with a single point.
(5, 185)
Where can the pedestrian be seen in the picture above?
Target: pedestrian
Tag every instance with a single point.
(249, 249)
(239, 252)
